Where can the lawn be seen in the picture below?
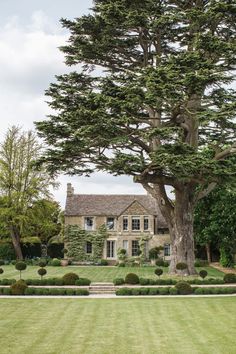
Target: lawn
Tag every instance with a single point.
(118, 326)
(94, 273)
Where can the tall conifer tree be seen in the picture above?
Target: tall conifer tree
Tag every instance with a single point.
(149, 97)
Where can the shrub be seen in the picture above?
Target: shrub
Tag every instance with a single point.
(203, 273)
(154, 252)
(7, 251)
(1, 271)
(42, 272)
(81, 292)
(7, 291)
(164, 291)
(70, 278)
(183, 288)
(20, 266)
(158, 272)
(144, 281)
(131, 278)
(118, 281)
(70, 292)
(230, 278)
(136, 292)
(2, 262)
(121, 264)
(123, 291)
(166, 264)
(144, 291)
(19, 287)
(181, 266)
(173, 291)
(83, 281)
(7, 281)
(104, 262)
(153, 291)
(55, 262)
(58, 281)
(42, 263)
(160, 262)
(29, 291)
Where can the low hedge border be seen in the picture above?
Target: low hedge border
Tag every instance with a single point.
(48, 291)
(173, 291)
(48, 281)
(146, 281)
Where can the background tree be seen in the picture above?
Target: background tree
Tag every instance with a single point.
(215, 221)
(43, 220)
(21, 184)
(160, 109)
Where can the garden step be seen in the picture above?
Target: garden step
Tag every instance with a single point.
(101, 284)
(102, 288)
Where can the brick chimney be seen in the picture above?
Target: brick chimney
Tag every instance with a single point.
(70, 189)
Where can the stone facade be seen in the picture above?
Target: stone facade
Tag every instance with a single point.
(128, 218)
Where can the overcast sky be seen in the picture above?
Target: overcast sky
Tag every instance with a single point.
(30, 34)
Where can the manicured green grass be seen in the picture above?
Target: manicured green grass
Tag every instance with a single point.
(96, 274)
(118, 326)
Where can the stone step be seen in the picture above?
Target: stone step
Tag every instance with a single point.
(101, 284)
(99, 292)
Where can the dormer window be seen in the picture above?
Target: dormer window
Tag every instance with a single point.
(110, 223)
(89, 223)
(135, 223)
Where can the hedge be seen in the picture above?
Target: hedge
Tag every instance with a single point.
(48, 291)
(173, 291)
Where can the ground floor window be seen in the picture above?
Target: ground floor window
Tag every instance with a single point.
(89, 247)
(135, 248)
(167, 250)
(110, 249)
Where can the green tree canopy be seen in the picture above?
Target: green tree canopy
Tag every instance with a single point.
(151, 99)
(21, 183)
(215, 223)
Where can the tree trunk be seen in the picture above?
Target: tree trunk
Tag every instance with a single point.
(208, 252)
(16, 243)
(179, 216)
(181, 232)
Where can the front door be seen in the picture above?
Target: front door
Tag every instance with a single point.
(111, 249)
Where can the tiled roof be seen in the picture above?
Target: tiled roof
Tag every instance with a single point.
(109, 205)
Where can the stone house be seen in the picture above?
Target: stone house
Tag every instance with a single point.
(127, 219)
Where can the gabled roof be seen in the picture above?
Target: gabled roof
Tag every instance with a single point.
(109, 205)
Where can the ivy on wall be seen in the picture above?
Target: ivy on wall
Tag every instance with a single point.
(75, 243)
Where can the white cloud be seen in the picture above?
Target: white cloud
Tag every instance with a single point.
(29, 60)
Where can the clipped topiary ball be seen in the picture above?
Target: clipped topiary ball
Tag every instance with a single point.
(158, 272)
(203, 273)
(1, 271)
(70, 278)
(160, 262)
(2, 262)
(183, 288)
(20, 266)
(19, 287)
(42, 272)
(181, 266)
(131, 278)
(230, 278)
(42, 263)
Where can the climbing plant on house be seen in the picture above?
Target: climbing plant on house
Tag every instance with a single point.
(75, 242)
